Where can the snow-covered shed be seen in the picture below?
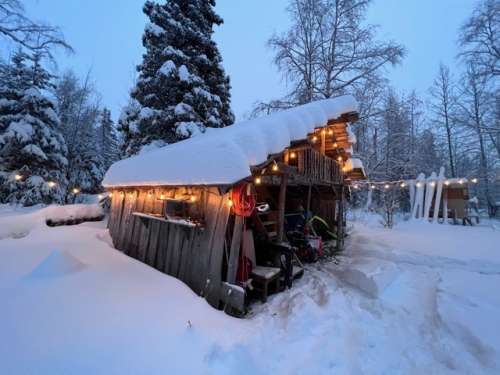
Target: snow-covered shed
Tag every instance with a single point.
(203, 209)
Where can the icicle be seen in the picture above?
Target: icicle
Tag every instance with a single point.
(429, 193)
(418, 207)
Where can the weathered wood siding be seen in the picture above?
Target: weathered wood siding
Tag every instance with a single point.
(192, 254)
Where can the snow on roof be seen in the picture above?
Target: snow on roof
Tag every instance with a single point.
(224, 156)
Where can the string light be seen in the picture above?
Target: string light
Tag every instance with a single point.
(293, 155)
(230, 202)
(131, 195)
(257, 180)
(323, 131)
(474, 180)
(51, 184)
(461, 181)
(335, 145)
(275, 167)
(402, 185)
(447, 182)
(99, 196)
(418, 184)
(339, 158)
(18, 177)
(150, 195)
(122, 194)
(192, 198)
(372, 187)
(314, 139)
(330, 132)
(111, 195)
(76, 191)
(356, 186)
(386, 186)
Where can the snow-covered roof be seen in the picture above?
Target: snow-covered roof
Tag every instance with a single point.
(224, 156)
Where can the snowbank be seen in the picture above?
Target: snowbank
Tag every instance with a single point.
(28, 218)
(224, 156)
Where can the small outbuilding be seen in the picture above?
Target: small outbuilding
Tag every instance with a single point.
(220, 211)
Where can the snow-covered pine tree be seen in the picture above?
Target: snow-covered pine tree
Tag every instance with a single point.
(182, 87)
(108, 142)
(32, 149)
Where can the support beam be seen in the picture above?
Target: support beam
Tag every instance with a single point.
(340, 219)
(281, 208)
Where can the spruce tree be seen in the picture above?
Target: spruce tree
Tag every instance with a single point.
(182, 88)
(108, 143)
(32, 149)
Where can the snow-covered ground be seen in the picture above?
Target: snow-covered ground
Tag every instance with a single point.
(419, 298)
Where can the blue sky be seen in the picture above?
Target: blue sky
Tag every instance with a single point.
(107, 38)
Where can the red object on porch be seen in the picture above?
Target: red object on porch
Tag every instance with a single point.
(243, 199)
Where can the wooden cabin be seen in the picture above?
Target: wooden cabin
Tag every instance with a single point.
(216, 210)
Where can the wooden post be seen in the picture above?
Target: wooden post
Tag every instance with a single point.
(234, 253)
(308, 203)
(323, 141)
(281, 207)
(340, 220)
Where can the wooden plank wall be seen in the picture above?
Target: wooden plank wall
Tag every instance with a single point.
(192, 254)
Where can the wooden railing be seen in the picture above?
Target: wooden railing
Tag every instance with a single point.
(315, 166)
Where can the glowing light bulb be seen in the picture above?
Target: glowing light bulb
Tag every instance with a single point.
(335, 145)
(418, 184)
(131, 195)
(314, 139)
(51, 184)
(293, 155)
(275, 167)
(474, 180)
(76, 191)
(433, 184)
(150, 195)
(192, 198)
(402, 185)
(386, 186)
(257, 180)
(372, 187)
(162, 197)
(339, 158)
(447, 182)
(230, 202)
(330, 132)
(356, 187)
(18, 177)
(99, 196)
(122, 194)
(323, 131)
(111, 195)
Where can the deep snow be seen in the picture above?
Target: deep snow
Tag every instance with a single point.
(420, 298)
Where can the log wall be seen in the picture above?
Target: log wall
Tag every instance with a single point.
(191, 254)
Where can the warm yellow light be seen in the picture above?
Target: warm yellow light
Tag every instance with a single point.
(230, 202)
(275, 167)
(192, 198)
(162, 196)
(447, 182)
(402, 184)
(122, 194)
(131, 195)
(335, 145)
(386, 186)
(323, 131)
(474, 180)
(18, 177)
(293, 155)
(76, 191)
(339, 158)
(356, 187)
(344, 169)
(51, 183)
(330, 132)
(150, 195)
(257, 180)
(372, 187)
(314, 138)
(111, 195)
